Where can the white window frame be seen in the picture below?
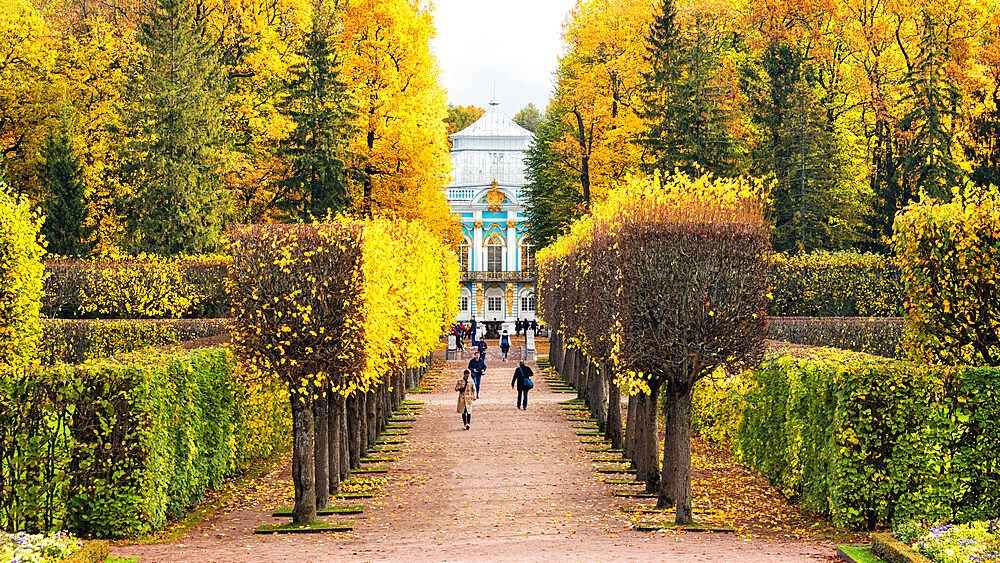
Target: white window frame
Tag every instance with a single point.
(494, 304)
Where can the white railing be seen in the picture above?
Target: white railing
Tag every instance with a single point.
(460, 193)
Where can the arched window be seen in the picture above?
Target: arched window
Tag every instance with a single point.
(494, 254)
(527, 257)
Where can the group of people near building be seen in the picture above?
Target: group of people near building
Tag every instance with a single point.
(463, 331)
(469, 385)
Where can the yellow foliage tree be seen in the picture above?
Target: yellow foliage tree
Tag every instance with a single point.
(401, 147)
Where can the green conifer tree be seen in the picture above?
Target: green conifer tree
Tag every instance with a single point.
(930, 164)
(686, 125)
(320, 105)
(554, 200)
(177, 145)
(66, 211)
(983, 148)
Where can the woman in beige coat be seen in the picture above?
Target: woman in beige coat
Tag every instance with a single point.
(466, 394)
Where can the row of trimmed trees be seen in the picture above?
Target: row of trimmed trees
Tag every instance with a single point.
(660, 286)
(347, 314)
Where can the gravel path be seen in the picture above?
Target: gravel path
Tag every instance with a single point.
(518, 486)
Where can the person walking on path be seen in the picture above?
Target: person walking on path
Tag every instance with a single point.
(466, 394)
(522, 379)
(481, 346)
(478, 367)
(473, 329)
(504, 345)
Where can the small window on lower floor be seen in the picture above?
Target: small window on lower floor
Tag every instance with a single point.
(494, 304)
(464, 304)
(528, 303)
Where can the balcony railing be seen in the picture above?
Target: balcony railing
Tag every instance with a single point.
(497, 276)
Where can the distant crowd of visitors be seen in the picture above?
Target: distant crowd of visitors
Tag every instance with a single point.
(470, 331)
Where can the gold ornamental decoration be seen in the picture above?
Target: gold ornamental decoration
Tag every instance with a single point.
(511, 224)
(494, 197)
(510, 299)
(477, 224)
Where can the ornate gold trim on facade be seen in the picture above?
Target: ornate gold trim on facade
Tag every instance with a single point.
(480, 301)
(511, 224)
(494, 197)
(510, 300)
(477, 224)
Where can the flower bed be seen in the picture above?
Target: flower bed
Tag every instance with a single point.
(37, 548)
(953, 543)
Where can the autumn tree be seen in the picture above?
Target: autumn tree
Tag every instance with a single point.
(460, 117)
(27, 54)
(528, 117)
(598, 81)
(400, 148)
(61, 173)
(177, 141)
(320, 105)
(982, 148)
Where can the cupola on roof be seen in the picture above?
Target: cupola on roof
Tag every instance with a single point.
(491, 149)
(493, 123)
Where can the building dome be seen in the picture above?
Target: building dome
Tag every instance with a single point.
(491, 149)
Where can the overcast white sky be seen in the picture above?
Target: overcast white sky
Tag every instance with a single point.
(514, 43)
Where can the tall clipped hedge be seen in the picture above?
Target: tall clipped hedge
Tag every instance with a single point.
(664, 282)
(341, 313)
(835, 284)
(78, 341)
(868, 441)
(949, 256)
(20, 280)
(872, 335)
(145, 287)
(114, 448)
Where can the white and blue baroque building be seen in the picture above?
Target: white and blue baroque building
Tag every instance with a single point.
(487, 192)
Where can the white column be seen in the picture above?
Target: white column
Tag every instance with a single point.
(512, 246)
(478, 252)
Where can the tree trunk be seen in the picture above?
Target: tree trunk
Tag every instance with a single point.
(321, 449)
(371, 424)
(555, 352)
(598, 399)
(647, 442)
(333, 404)
(666, 497)
(355, 417)
(677, 472)
(613, 429)
(345, 442)
(568, 366)
(583, 371)
(628, 446)
(303, 464)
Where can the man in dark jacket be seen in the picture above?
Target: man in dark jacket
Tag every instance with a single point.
(477, 367)
(473, 329)
(522, 378)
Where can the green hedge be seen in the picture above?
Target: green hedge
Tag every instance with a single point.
(77, 341)
(141, 288)
(113, 449)
(880, 336)
(20, 279)
(867, 441)
(835, 284)
(949, 255)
